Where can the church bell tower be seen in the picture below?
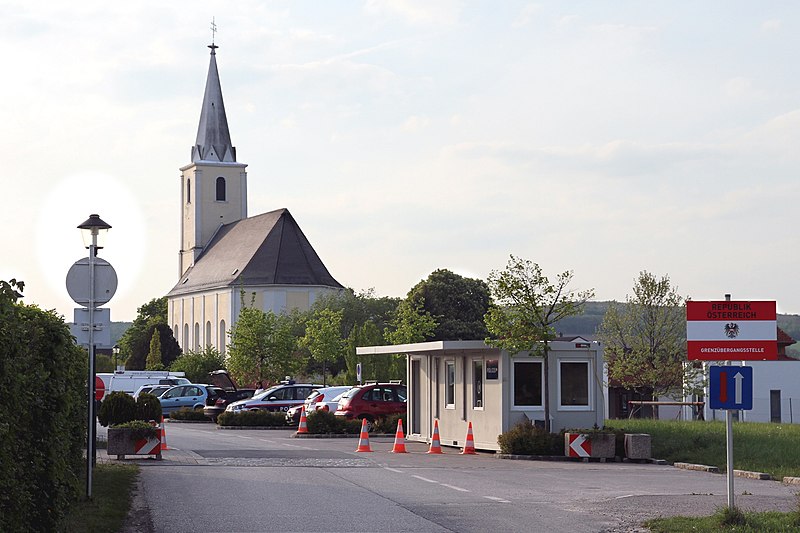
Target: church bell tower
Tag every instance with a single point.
(214, 184)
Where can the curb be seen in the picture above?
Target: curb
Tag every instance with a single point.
(335, 435)
(751, 475)
(515, 457)
(176, 421)
(256, 427)
(789, 480)
(701, 468)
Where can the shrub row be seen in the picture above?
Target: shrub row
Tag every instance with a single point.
(43, 376)
(323, 422)
(527, 439)
(186, 413)
(252, 418)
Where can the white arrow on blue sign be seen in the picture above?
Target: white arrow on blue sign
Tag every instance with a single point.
(730, 387)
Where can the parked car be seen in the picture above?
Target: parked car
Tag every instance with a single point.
(130, 380)
(323, 399)
(373, 401)
(230, 394)
(281, 397)
(194, 396)
(155, 390)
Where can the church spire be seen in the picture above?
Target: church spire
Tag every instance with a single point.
(213, 137)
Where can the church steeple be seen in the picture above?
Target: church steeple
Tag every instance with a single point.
(213, 137)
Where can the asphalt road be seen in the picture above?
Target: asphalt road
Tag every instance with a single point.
(260, 480)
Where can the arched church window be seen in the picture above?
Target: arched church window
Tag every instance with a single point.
(222, 336)
(207, 340)
(196, 342)
(185, 337)
(220, 189)
(188, 191)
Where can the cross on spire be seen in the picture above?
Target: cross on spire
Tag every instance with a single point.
(213, 34)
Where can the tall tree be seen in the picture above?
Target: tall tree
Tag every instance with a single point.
(323, 337)
(457, 303)
(262, 346)
(154, 356)
(527, 305)
(645, 339)
(135, 342)
(411, 323)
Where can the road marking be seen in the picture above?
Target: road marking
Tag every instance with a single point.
(425, 479)
(496, 499)
(244, 437)
(625, 496)
(295, 446)
(267, 440)
(455, 488)
(393, 470)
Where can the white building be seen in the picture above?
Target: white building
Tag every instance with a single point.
(224, 253)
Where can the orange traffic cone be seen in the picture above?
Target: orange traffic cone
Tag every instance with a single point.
(363, 438)
(399, 439)
(303, 427)
(469, 447)
(436, 446)
(163, 435)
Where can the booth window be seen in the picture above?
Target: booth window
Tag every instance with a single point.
(477, 384)
(574, 383)
(450, 385)
(527, 383)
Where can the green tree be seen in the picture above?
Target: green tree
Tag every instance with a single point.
(323, 337)
(261, 347)
(154, 356)
(411, 323)
(527, 305)
(197, 364)
(135, 342)
(374, 367)
(645, 339)
(457, 303)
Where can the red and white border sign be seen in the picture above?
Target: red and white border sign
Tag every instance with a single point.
(731, 331)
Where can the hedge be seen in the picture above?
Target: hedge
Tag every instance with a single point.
(43, 377)
(252, 418)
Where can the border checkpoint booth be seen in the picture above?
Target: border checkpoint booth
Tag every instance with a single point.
(458, 382)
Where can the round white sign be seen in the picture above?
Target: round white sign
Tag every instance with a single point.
(105, 282)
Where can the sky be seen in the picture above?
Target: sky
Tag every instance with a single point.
(602, 137)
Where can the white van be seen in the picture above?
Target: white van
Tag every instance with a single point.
(130, 380)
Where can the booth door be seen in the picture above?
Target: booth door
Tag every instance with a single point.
(416, 410)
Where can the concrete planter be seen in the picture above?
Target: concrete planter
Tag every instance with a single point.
(586, 445)
(638, 446)
(122, 442)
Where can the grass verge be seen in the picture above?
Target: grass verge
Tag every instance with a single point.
(112, 490)
(722, 520)
(759, 447)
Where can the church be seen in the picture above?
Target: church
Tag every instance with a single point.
(224, 253)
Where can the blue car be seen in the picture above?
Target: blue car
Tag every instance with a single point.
(192, 396)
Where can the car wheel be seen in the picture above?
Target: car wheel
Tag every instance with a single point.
(370, 422)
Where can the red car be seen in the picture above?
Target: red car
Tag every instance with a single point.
(373, 401)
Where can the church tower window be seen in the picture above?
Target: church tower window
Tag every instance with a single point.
(188, 191)
(220, 189)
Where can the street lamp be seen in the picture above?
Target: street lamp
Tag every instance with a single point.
(91, 229)
(115, 351)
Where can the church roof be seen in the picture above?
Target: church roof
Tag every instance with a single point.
(267, 249)
(213, 137)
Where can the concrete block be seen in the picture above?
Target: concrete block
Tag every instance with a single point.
(638, 446)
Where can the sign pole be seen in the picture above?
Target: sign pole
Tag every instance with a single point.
(729, 442)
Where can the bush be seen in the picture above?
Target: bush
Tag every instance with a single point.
(526, 439)
(389, 424)
(252, 418)
(118, 408)
(185, 413)
(323, 422)
(141, 429)
(148, 407)
(42, 415)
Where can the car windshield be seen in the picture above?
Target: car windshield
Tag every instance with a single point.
(341, 395)
(266, 393)
(352, 392)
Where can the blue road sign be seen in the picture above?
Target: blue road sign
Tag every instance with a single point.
(730, 387)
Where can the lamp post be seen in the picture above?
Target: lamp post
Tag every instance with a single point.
(91, 229)
(115, 351)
